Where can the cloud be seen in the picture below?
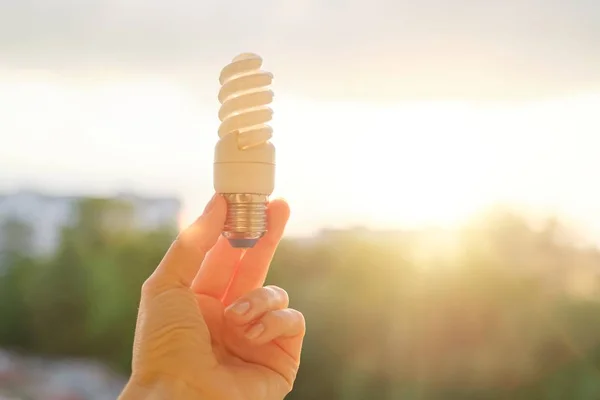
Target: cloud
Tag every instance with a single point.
(388, 49)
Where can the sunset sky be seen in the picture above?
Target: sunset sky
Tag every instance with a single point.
(387, 113)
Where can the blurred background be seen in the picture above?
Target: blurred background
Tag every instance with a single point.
(438, 157)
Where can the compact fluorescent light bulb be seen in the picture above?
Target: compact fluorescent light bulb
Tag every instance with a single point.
(244, 168)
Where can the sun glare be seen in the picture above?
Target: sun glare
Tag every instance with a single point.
(431, 163)
(410, 164)
(338, 163)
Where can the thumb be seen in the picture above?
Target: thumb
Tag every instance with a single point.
(185, 256)
(169, 320)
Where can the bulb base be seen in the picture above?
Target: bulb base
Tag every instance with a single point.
(246, 220)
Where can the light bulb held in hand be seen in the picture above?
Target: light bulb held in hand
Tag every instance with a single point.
(244, 167)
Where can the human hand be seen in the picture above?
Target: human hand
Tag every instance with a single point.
(207, 328)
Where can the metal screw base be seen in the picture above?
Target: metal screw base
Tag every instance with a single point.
(246, 220)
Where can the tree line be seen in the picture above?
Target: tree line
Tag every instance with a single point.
(502, 310)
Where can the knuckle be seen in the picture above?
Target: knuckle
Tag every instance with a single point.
(299, 318)
(180, 243)
(288, 385)
(153, 286)
(187, 243)
(148, 287)
(278, 294)
(194, 239)
(264, 295)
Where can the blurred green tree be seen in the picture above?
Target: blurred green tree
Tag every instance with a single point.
(493, 318)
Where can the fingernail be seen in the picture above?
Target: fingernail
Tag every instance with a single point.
(210, 205)
(255, 331)
(240, 308)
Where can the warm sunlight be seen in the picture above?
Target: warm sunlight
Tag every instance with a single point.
(441, 234)
(391, 165)
(340, 163)
(435, 162)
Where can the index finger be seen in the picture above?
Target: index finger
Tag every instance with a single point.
(253, 268)
(183, 259)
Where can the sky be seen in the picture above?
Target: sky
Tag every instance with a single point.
(387, 113)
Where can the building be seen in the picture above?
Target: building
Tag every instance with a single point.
(47, 215)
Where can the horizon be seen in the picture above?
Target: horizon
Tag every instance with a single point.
(534, 221)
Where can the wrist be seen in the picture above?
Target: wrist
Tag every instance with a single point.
(162, 389)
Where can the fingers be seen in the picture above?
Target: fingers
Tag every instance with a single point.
(253, 269)
(256, 303)
(217, 270)
(183, 259)
(223, 261)
(262, 316)
(278, 324)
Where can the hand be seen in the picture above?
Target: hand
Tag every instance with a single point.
(206, 327)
